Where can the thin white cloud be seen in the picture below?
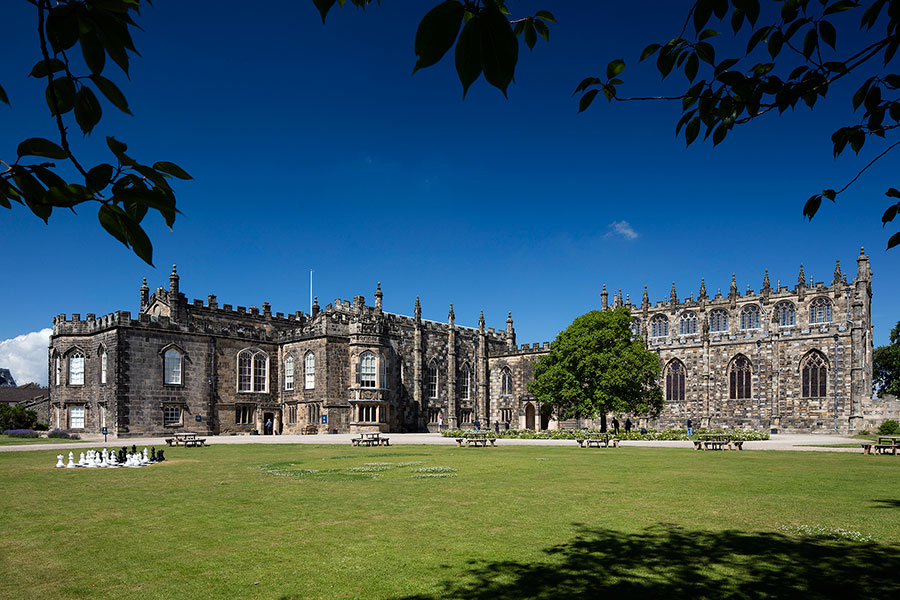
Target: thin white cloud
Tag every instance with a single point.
(26, 356)
(622, 228)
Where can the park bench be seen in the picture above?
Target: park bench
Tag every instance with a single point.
(475, 439)
(370, 439)
(888, 444)
(310, 430)
(716, 441)
(598, 441)
(194, 442)
(185, 439)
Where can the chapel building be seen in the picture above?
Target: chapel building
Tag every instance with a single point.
(787, 359)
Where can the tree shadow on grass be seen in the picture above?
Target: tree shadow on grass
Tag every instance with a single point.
(885, 503)
(668, 562)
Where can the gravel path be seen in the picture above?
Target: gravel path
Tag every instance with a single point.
(784, 441)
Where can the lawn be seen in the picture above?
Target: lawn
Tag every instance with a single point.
(9, 440)
(300, 521)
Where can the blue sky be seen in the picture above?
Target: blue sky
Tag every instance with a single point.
(313, 147)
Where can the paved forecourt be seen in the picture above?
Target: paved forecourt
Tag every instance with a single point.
(784, 441)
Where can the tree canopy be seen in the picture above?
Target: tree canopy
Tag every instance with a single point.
(771, 58)
(886, 365)
(596, 366)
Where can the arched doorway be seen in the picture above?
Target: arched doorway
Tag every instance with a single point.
(529, 416)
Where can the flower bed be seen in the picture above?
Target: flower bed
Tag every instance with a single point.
(22, 433)
(575, 434)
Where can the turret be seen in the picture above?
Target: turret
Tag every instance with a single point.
(145, 295)
(378, 298)
(314, 310)
(673, 297)
(603, 298)
(451, 317)
(417, 313)
(702, 295)
(510, 333)
(481, 322)
(173, 284)
(801, 284)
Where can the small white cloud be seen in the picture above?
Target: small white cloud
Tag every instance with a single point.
(26, 356)
(622, 228)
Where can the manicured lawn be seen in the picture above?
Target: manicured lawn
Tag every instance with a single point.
(8, 440)
(261, 521)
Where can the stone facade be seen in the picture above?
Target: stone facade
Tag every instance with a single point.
(351, 367)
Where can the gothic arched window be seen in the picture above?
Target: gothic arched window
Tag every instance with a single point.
(675, 375)
(432, 382)
(750, 317)
(368, 366)
(505, 381)
(718, 321)
(820, 311)
(309, 371)
(784, 314)
(814, 369)
(253, 371)
(172, 367)
(739, 375)
(688, 324)
(464, 376)
(635, 327)
(659, 326)
(76, 368)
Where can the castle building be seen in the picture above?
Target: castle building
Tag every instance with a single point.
(789, 359)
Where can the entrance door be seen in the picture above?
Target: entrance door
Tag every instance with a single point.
(529, 416)
(268, 423)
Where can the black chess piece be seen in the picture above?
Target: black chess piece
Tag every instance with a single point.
(133, 449)
(123, 454)
(152, 454)
(160, 457)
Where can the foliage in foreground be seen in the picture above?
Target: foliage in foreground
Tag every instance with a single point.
(577, 434)
(889, 427)
(17, 417)
(75, 37)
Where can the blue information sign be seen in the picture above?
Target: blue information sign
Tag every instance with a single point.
(104, 431)
(324, 418)
(197, 417)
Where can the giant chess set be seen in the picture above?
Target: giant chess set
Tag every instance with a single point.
(113, 459)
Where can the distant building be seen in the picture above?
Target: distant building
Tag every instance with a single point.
(791, 359)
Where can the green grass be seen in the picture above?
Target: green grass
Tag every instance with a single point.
(300, 521)
(8, 440)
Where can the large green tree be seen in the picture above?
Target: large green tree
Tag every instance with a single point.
(596, 366)
(886, 365)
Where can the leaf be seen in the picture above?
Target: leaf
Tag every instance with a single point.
(99, 177)
(436, 33)
(468, 53)
(775, 42)
(92, 50)
(649, 51)
(692, 131)
(691, 66)
(42, 68)
(110, 220)
(757, 37)
(702, 12)
(810, 42)
(499, 48)
(48, 177)
(895, 240)
(87, 110)
(706, 52)
(111, 92)
(62, 27)
(586, 100)
(812, 206)
(889, 215)
(324, 6)
(707, 33)
(614, 68)
(585, 83)
(171, 169)
(828, 34)
(830, 194)
(542, 30)
(124, 228)
(545, 15)
(840, 6)
(3, 97)
(892, 193)
(61, 94)
(530, 35)
(41, 147)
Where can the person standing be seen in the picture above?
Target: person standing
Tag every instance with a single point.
(615, 426)
(497, 427)
(440, 421)
(268, 427)
(628, 425)
(690, 427)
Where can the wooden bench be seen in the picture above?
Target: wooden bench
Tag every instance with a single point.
(476, 439)
(885, 449)
(194, 442)
(737, 444)
(598, 441)
(370, 439)
(170, 441)
(715, 444)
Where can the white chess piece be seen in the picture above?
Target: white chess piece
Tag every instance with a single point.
(145, 459)
(59, 462)
(81, 461)
(71, 464)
